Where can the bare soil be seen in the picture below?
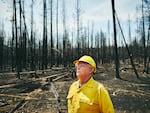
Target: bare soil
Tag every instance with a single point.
(34, 95)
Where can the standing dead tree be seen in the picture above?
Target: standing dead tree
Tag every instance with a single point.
(12, 43)
(32, 64)
(146, 44)
(24, 40)
(64, 33)
(57, 54)
(115, 40)
(132, 63)
(51, 31)
(44, 49)
(16, 36)
(143, 38)
(78, 27)
(1, 46)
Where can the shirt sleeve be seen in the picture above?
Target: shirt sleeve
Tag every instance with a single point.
(105, 103)
(69, 100)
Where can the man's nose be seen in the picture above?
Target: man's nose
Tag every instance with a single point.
(78, 67)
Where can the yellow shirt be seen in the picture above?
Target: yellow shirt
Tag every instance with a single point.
(92, 97)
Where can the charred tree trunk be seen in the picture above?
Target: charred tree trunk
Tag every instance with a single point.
(51, 28)
(64, 35)
(143, 37)
(78, 42)
(57, 53)
(148, 39)
(44, 50)
(32, 64)
(17, 54)
(1, 47)
(109, 45)
(20, 39)
(25, 34)
(12, 43)
(88, 38)
(92, 39)
(115, 40)
(132, 63)
(39, 56)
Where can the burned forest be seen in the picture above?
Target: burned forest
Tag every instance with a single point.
(39, 42)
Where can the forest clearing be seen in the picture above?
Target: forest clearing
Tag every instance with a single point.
(40, 39)
(32, 94)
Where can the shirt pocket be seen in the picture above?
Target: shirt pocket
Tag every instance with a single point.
(69, 96)
(88, 104)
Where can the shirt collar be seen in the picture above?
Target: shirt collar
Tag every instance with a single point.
(86, 84)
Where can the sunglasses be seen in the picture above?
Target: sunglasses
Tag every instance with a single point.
(83, 64)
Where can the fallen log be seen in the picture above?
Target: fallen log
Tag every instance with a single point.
(3, 104)
(60, 77)
(17, 106)
(6, 86)
(53, 88)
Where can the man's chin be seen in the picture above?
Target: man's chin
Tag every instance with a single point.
(77, 74)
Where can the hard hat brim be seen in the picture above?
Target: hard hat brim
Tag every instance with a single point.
(76, 62)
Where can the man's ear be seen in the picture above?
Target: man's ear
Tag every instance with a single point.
(91, 70)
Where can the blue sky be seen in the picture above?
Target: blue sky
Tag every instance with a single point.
(97, 12)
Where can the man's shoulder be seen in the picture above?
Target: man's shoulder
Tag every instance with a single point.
(75, 83)
(72, 89)
(98, 84)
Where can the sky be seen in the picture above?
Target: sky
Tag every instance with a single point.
(96, 12)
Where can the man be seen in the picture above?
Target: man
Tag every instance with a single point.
(86, 95)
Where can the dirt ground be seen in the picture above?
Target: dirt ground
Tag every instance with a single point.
(34, 95)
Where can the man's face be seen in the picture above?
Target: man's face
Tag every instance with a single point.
(83, 71)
